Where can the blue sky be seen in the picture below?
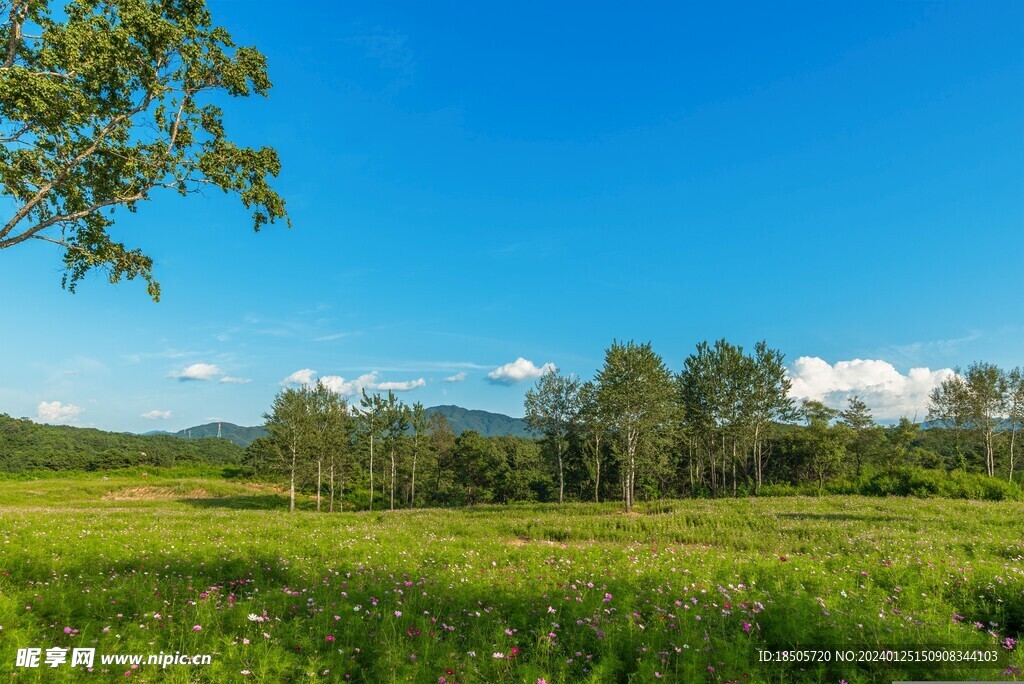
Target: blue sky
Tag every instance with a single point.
(475, 184)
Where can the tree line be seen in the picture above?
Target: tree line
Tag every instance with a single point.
(28, 446)
(724, 424)
(380, 453)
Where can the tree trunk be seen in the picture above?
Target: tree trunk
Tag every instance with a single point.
(371, 467)
(1013, 439)
(412, 494)
(319, 468)
(561, 475)
(757, 459)
(331, 507)
(392, 478)
(734, 493)
(291, 503)
(597, 468)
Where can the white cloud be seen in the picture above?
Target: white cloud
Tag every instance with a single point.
(518, 371)
(300, 377)
(156, 414)
(57, 413)
(340, 385)
(402, 386)
(235, 381)
(334, 336)
(889, 393)
(355, 386)
(458, 377)
(196, 371)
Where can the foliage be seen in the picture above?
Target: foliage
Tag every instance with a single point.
(103, 102)
(25, 445)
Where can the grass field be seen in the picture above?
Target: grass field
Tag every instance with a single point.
(683, 591)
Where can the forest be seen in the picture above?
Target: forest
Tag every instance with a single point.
(27, 447)
(724, 424)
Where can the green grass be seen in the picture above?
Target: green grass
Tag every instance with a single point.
(583, 592)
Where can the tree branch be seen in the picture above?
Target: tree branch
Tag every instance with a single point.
(41, 193)
(19, 11)
(63, 218)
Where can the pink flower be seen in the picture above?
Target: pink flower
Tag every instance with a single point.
(197, 628)
(330, 638)
(746, 626)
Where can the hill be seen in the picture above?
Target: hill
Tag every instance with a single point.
(459, 419)
(486, 423)
(25, 445)
(236, 434)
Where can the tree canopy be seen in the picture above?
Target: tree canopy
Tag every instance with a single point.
(103, 102)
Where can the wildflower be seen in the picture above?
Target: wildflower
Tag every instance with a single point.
(398, 613)
(498, 655)
(1009, 643)
(330, 638)
(746, 626)
(197, 628)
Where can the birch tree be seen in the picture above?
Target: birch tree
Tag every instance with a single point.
(419, 424)
(288, 425)
(371, 425)
(593, 431)
(552, 409)
(1014, 411)
(105, 103)
(396, 422)
(636, 394)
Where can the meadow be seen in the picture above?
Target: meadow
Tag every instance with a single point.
(681, 591)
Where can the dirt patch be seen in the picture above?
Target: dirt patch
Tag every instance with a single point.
(155, 494)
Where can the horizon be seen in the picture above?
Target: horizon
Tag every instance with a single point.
(479, 194)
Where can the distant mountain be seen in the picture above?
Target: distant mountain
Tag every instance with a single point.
(237, 434)
(459, 420)
(486, 423)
